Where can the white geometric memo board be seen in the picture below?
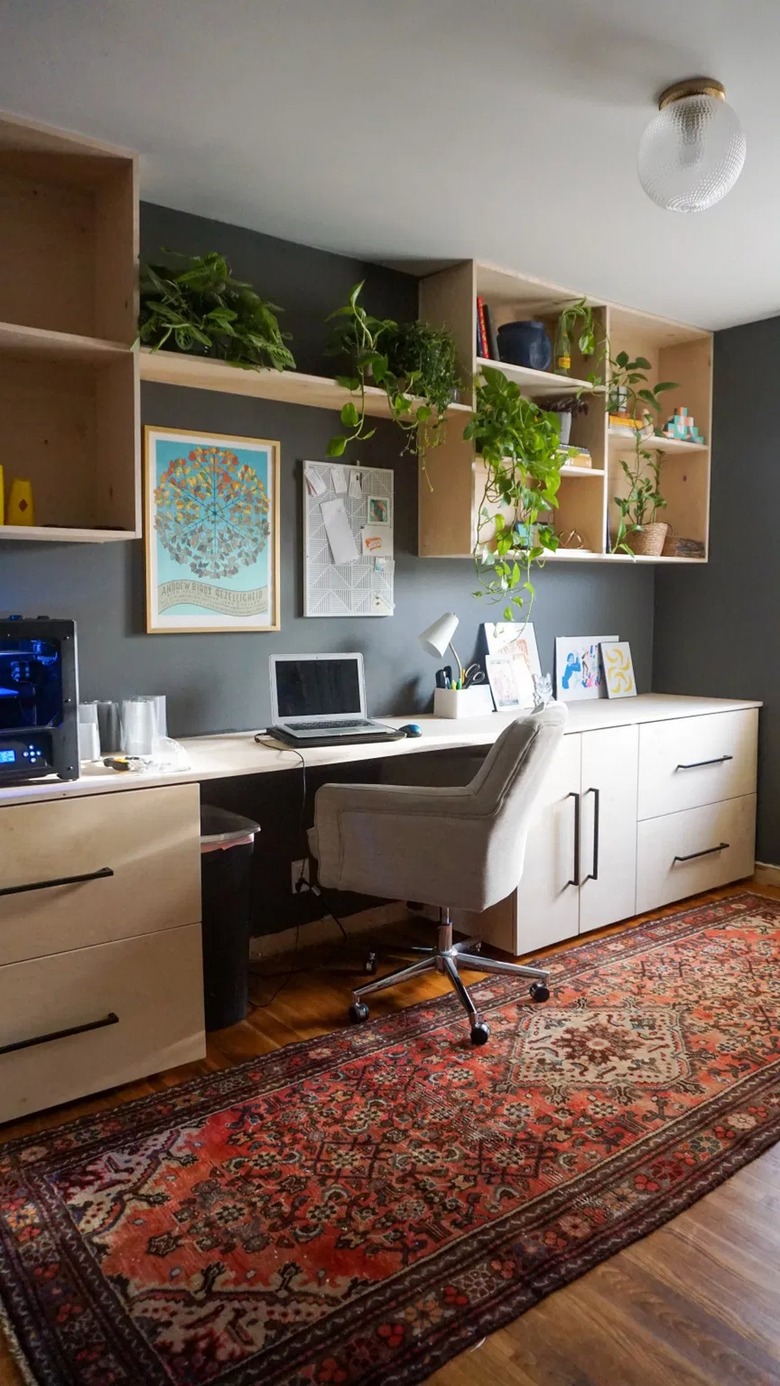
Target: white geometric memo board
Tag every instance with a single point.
(361, 588)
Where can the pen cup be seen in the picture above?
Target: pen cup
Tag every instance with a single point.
(89, 736)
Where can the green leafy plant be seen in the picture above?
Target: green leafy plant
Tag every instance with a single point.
(519, 444)
(575, 323)
(630, 385)
(413, 363)
(202, 308)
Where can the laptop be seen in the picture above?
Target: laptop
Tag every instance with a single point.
(320, 700)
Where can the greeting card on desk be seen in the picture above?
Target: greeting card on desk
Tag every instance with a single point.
(376, 541)
(340, 536)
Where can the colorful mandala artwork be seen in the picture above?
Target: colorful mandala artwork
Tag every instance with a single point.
(212, 512)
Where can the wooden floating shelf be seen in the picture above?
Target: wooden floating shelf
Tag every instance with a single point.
(656, 444)
(62, 534)
(39, 344)
(285, 387)
(588, 556)
(582, 471)
(539, 382)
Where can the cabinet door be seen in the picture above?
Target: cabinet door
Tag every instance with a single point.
(546, 903)
(608, 838)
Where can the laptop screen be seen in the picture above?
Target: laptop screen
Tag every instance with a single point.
(317, 687)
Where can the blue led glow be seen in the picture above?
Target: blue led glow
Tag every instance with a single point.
(7, 757)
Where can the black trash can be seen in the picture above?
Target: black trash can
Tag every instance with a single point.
(226, 846)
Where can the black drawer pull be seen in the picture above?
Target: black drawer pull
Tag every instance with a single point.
(59, 881)
(697, 764)
(708, 851)
(110, 1019)
(575, 879)
(594, 870)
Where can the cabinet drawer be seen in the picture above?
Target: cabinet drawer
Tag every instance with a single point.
(661, 843)
(696, 760)
(150, 991)
(149, 840)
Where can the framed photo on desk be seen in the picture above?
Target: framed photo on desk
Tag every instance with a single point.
(211, 530)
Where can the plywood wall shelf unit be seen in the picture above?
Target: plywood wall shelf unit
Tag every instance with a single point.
(286, 387)
(68, 313)
(450, 495)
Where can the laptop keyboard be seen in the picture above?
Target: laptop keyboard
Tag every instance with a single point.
(331, 726)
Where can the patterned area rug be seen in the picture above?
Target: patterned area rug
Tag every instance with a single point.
(360, 1208)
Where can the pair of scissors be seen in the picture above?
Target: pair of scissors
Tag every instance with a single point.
(472, 675)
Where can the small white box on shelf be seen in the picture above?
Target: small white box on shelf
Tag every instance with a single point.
(462, 702)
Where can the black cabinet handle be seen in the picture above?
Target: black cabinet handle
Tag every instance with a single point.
(575, 878)
(59, 881)
(594, 870)
(697, 764)
(110, 1019)
(708, 851)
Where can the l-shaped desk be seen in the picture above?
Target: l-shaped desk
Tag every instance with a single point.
(100, 959)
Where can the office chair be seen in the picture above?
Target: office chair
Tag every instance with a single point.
(460, 848)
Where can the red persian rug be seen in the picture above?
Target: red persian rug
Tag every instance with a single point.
(360, 1208)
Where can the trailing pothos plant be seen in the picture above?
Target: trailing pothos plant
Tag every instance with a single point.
(200, 307)
(629, 384)
(519, 444)
(412, 362)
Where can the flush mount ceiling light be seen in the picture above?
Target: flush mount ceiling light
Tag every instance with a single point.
(692, 152)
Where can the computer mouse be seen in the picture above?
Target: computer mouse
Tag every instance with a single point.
(411, 729)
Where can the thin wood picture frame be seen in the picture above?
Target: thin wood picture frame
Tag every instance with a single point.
(211, 532)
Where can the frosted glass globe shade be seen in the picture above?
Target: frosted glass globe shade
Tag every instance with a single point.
(691, 153)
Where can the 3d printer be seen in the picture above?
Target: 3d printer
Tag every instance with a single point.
(38, 699)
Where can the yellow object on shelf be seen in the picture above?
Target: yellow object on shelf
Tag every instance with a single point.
(21, 508)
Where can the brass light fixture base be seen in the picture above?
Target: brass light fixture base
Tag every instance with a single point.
(691, 86)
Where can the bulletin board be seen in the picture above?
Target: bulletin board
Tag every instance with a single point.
(348, 559)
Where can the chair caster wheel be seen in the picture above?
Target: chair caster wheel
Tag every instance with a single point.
(480, 1033)
(369, 966)
(539, 992)
(358, 1012)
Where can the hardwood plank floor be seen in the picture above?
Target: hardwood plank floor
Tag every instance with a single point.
(697, 1303)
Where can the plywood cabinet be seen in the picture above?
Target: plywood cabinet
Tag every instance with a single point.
(68, 315)
(450, 493)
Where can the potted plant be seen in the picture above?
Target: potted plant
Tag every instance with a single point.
(579, 312)
(520, 446)
(639, 530)
(201, 308)
(412, 362)
(567, 407)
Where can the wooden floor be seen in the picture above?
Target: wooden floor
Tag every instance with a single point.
(695, 1304)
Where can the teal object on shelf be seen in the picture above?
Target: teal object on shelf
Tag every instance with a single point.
(525, 343)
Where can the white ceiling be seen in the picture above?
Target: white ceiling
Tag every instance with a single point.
(506, 130)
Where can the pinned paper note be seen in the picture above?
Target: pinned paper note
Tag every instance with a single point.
(376, 541)
(380, 605)
(355, 489)
(339, 478)
(340, 536)
(314, 482)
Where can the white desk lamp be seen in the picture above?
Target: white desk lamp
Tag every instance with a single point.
(437, 639)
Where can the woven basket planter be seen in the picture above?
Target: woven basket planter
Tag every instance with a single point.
(649, 540)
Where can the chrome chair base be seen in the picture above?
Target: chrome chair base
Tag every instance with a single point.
(449, 957)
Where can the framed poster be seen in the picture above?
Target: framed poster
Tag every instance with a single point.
(211, 532)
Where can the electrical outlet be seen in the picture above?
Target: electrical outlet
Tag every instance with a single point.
(299, 872)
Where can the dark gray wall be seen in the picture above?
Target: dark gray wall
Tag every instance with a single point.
(219, 682)
(714, 629)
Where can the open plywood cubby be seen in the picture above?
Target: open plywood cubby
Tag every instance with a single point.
(68, 314)
(587, 518)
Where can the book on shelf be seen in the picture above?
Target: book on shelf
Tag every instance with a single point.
(482, 337)
(492, 336)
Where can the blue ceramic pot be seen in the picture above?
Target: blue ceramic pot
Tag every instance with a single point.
(525, 344)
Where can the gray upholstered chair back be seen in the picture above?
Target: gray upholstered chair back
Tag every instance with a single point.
(463, 847)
